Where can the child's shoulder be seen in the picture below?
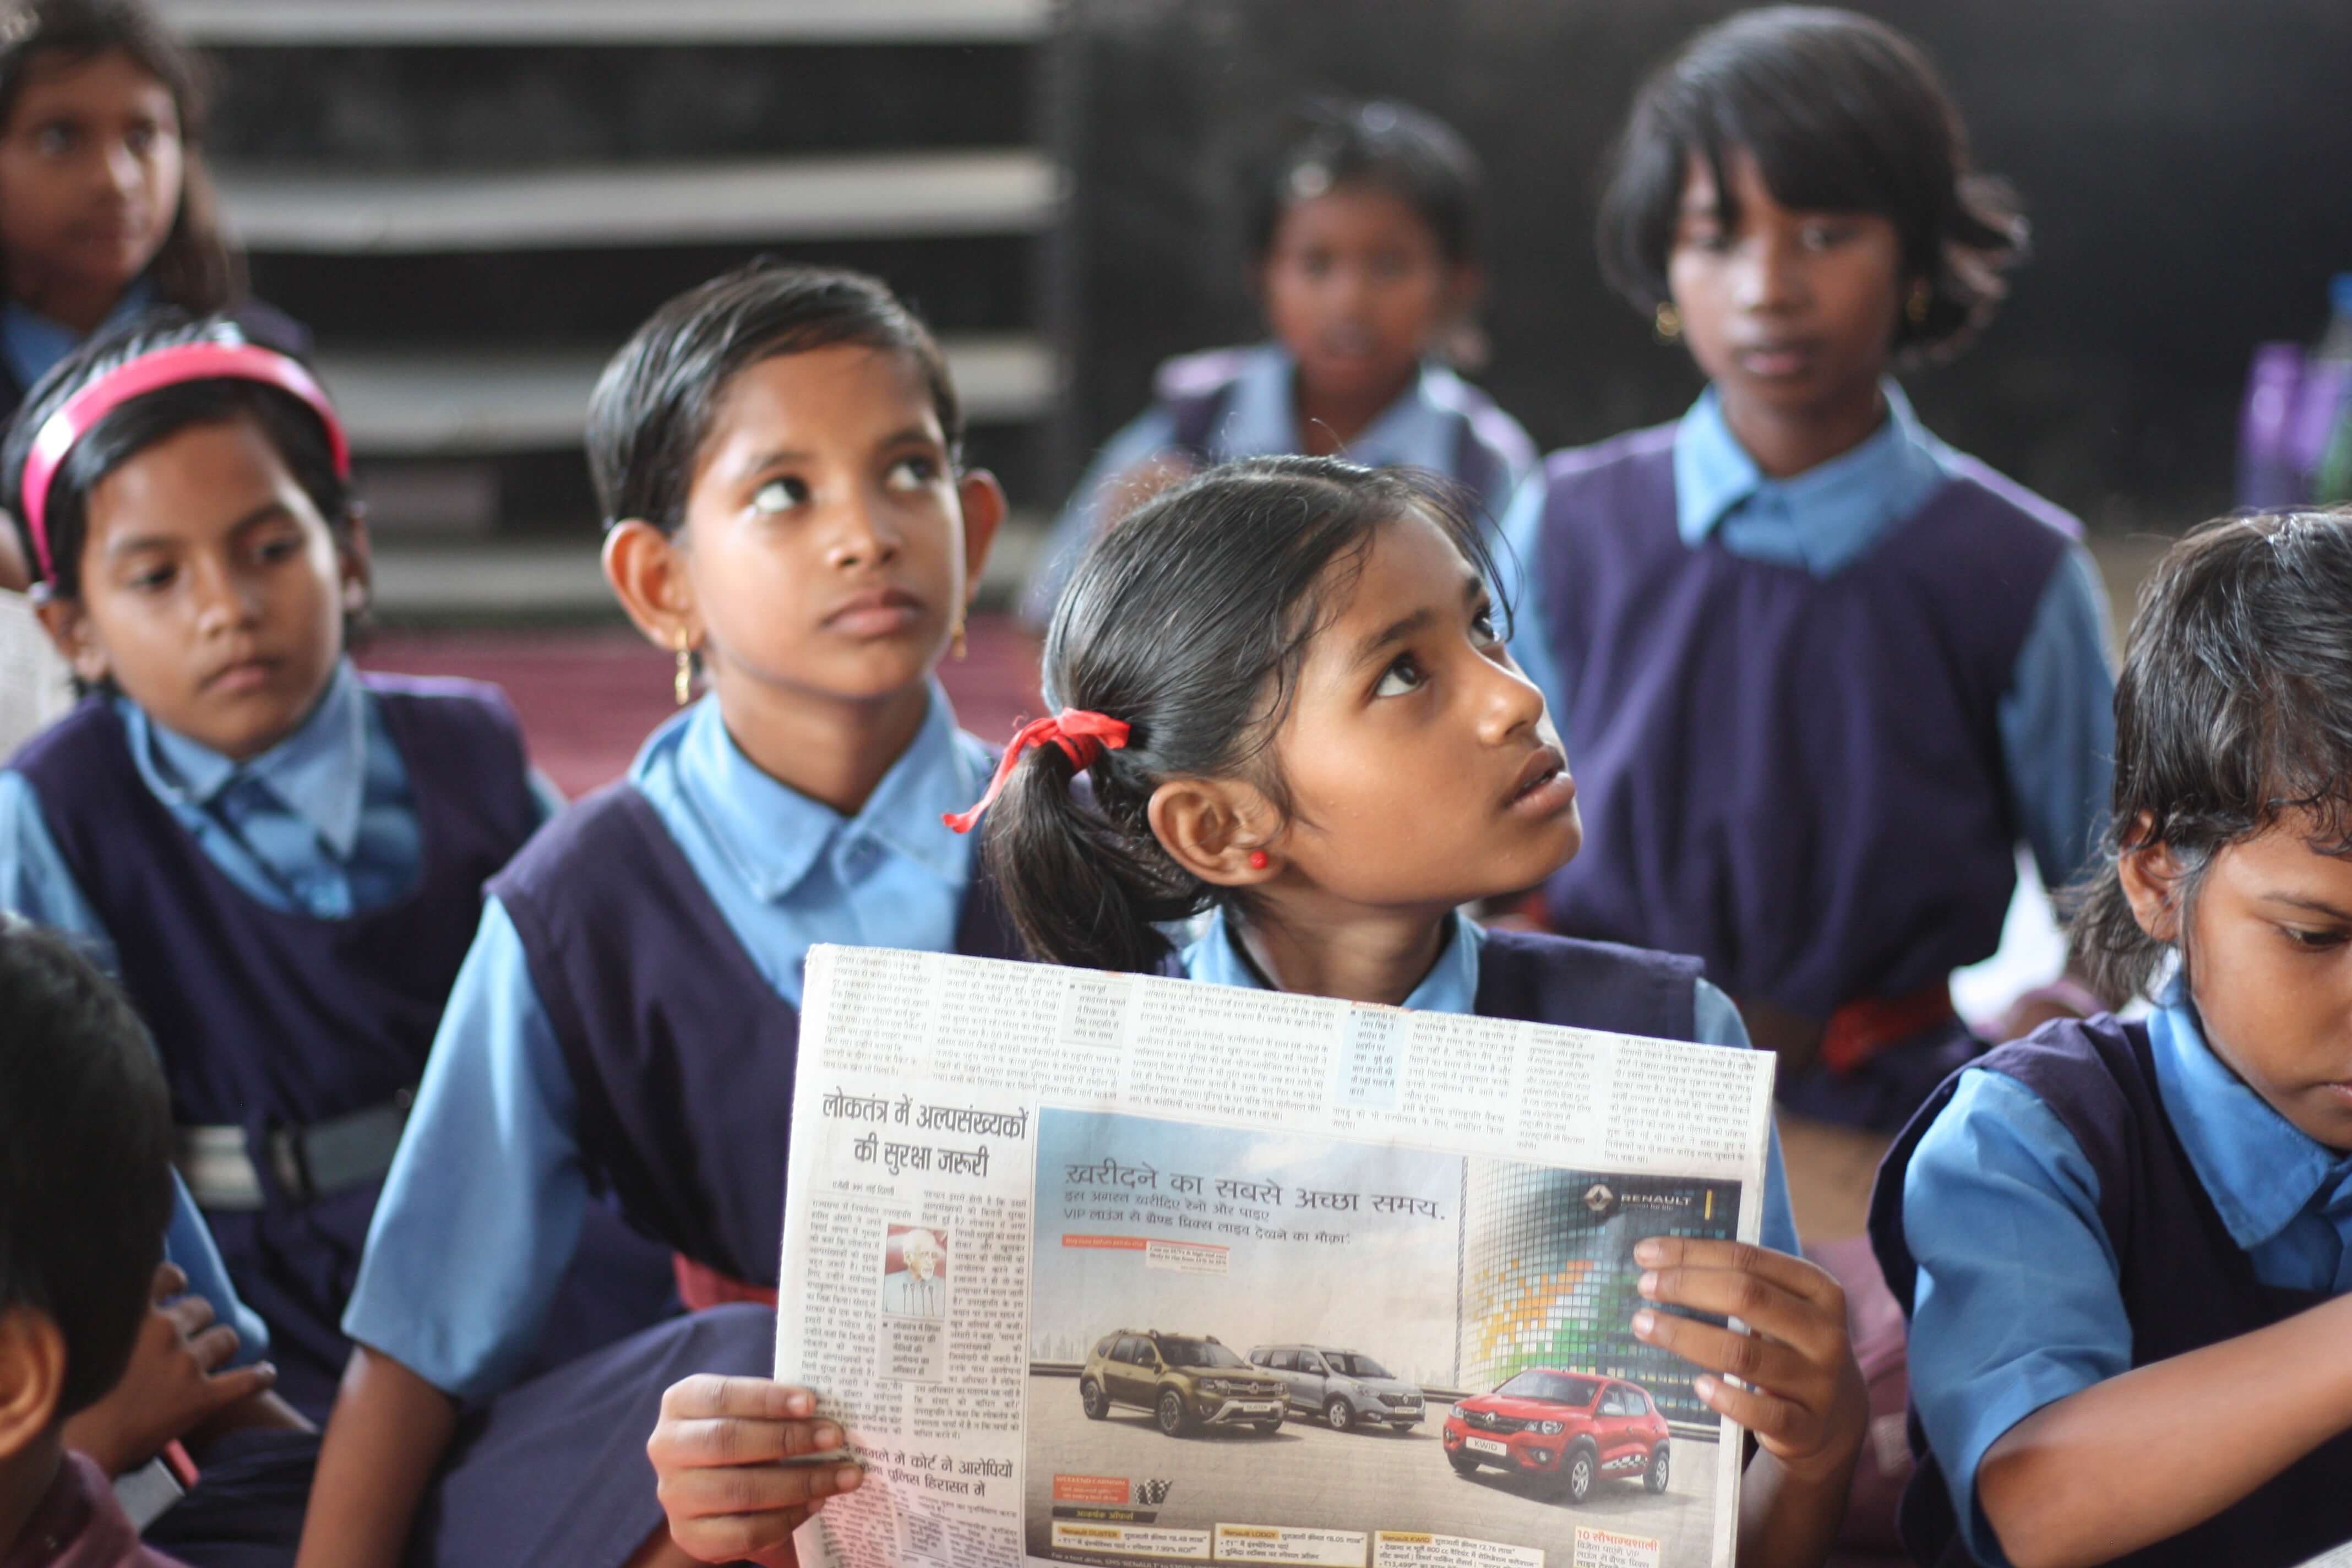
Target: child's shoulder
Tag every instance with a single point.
(1992, 492)
(1549, 979)
(1574, 470)
(1486, 419)
(1206, 374)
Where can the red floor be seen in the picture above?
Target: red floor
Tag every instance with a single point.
(589, 695)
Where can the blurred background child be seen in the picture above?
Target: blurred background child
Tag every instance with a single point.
(1365, 255)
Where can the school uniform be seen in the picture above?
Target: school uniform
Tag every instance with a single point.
(627, 1020)
(2096, 1198)
(1542, 979)
(1228, 404)
(289, 930)
(1811, 718)
(32, 343)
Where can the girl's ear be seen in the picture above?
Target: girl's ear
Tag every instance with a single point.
(2151, 880)
(983, 510)
(646, 570)
(1218, 830)
(74, 635)
(356, 556)
(32, 1376)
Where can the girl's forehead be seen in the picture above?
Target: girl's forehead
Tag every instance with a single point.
(1356, 207)
(853, 394)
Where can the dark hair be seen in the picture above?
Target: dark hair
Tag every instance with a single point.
(291, 425)
(1841, 114)
(1393, 147)
(1189, 621)
(194, 269)
(85, 1155)
(653, 406)
(2234, 711)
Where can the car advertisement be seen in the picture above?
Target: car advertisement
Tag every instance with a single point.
(1266, 1347)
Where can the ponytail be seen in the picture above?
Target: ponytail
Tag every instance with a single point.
(1082, 890)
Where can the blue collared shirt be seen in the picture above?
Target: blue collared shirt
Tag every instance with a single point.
(1261, 419)
(32, 343)
(2056, 716)
(2018, 1303)
(483, 1206)
(1452, 986)
(322, 824)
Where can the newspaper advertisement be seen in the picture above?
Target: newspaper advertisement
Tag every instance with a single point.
(1114, 1271)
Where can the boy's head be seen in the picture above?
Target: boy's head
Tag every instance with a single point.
(102, 113)
(1765, 124)
(85, 1183)
(1364, 239)
(196, 539)
(2231, 838)
(777, 453)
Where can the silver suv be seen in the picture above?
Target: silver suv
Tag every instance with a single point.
(1345, 1388)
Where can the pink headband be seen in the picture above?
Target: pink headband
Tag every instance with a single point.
(148, 373)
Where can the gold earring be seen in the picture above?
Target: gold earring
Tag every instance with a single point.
(684, 686)
(1915, 308)
(1666, 322)
(955, 645)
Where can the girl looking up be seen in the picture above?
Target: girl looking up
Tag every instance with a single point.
(1364, 254)
(2122, 1246)
(1298, 717)
(1823, 672)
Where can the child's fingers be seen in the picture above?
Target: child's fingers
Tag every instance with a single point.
(750, 1491)
(213, 1348)
(169, 1282)
(239, 1384)
(753, 1398)
(193, 1315)
(1768, 1363)
(1790, 1272)
(1782, 1426)
(1806, 1323)
(726, 1440)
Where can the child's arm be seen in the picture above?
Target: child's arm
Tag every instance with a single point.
(2145, 1455)
(1805, 1404)
(715, 1454)
(385, 1438)
(178, 1380)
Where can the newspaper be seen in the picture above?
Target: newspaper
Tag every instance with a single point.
(1111, 1270)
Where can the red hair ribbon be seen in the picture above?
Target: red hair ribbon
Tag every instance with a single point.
(1083, 737)
(204, 361)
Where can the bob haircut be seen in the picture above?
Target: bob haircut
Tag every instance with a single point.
(1408, 153)
(1842, 113)
(1189, 621)
(129, 428)
(2233, 713)
(194, 270)
(653, 406)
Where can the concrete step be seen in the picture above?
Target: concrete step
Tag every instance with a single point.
(504, 22)
(451, 403)
(864, 195)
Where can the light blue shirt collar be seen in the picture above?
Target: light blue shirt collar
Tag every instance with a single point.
(771, 836)
(1412, 430)
(1450, 986)
(2259, 1168)
(1821, 520)
(34, 343)
(318, 773)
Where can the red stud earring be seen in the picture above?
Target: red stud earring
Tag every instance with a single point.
(1258, 861)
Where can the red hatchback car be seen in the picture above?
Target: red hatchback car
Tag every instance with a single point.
(1571, 1426)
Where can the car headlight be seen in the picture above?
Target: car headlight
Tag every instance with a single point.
(1549, 1428)
(1213, 1385)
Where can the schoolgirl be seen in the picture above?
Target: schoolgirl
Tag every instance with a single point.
(1364, 249)
(1820, 672)
(777, 451)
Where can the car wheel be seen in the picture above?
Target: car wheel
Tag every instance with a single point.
(1655, 1477)
(1463, 1464)
(1576, 1473)
(1175, 1419)
(1338, 1414)
(1091, 1399)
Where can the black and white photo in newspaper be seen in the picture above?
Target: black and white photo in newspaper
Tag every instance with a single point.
(1115, 1271)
